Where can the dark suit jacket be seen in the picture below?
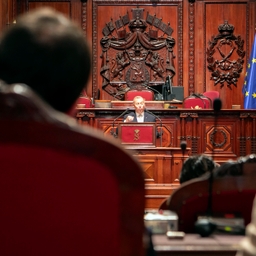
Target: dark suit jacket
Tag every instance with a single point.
(147, 117)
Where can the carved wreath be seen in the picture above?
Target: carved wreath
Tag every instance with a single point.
(214, 143)
(225, 69)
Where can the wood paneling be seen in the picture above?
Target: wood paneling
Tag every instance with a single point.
(104, 12)
(7, 14)
(226, 12)
(194, 24)
(228, 136)
(63, 7)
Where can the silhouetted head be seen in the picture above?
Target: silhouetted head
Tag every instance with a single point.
(48, 52)
(196, 166)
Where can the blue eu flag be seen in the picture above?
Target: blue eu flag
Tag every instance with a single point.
(249, 88)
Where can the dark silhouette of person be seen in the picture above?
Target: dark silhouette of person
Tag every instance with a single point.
(195, 166)
(49, 53)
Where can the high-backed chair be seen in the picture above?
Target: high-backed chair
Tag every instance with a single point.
(146, 94)
(212, 95)
(197, 102)
(84, 100)
(230, 195)
(64, 190)
(81, 102)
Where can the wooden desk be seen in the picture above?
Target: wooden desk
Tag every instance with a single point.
(193, 244)
(161, 167)
(231, 135)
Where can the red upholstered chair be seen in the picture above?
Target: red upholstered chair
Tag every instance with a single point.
(64, 190)
(84, 100)
(197, 102)
(230, 195)
(212, 95)
(146, 94)
(81, 102)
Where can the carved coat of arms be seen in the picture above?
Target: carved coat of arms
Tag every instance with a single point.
(225, 56)
(136, 58)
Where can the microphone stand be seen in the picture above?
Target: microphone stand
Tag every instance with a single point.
(154, 90)
(204, 226)
(183, 146)
(161, 125)
(217, 107)
(113, 124)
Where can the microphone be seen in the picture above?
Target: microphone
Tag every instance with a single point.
(203, 226)
(113, 124)
(161, 124)
(217, 104)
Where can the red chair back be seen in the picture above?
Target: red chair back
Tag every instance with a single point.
(84, 100)
(146, 94)
(197, 102)
(64, 189)
(212, 95)
(81, 102)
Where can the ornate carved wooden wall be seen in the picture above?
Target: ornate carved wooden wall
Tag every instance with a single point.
(225, 136)
(203, 61)
(137, 52)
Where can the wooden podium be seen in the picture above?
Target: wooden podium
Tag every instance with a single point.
(137, 134)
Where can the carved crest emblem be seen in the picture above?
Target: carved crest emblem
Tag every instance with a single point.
(225, 56)
(136, 134)
(138, 58)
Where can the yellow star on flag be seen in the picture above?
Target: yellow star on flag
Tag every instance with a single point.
(249, 87)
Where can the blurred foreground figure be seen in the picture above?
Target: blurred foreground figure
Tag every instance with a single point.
(60, 193)
(195, 166)
(248, 244)
(48, 52)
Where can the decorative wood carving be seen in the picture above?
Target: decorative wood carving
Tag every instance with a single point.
(138, 58)
(84, 17)
(225, 68)
(191, 64)
(222, 136)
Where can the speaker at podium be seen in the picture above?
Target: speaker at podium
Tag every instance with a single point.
(137, 134)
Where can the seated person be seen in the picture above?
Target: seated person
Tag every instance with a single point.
(235, 168)
(196, 166)
(49, 53)
(140, 115)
